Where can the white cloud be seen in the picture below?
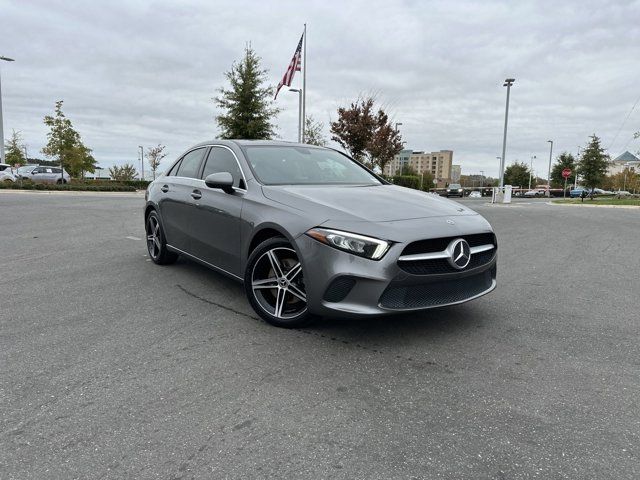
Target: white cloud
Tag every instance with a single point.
(139, 73)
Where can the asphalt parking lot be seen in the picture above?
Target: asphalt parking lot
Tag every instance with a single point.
(113, 367)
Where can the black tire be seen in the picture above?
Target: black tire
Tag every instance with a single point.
(283, 305)
(156, 241)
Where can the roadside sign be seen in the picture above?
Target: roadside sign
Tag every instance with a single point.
(566, 173)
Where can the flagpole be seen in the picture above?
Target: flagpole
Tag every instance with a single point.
(304, 82)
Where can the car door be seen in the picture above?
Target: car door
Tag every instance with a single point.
(38, 175)
(216, 227)
(176, 203)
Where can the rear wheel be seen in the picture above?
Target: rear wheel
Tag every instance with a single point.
(156, 242)
(275, 286)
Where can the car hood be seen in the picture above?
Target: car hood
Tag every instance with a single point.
(373, 203)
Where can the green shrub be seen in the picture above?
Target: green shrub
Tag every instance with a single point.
(409, 181)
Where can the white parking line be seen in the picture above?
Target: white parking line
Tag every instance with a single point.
(133, 238)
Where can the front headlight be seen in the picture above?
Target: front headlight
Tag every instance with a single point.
(360, 245)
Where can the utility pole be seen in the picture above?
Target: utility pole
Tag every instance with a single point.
(531, 170)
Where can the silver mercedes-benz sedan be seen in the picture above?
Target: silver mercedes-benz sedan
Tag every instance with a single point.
(311, 232)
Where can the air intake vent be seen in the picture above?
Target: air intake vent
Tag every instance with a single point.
(339, 289)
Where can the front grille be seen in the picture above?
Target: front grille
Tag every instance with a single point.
(439, 244)
(442, 265)
(399, 297)
(339, 289)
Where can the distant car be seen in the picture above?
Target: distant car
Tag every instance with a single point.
(578, 192)
(24, 172)
(48, 175)
(623, 193)
(599, 191)
(6, 166)
(455, 190)
(475, 194)
(535, 193)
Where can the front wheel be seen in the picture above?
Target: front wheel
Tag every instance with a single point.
(275, 286)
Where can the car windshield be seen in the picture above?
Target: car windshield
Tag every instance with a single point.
(455, 185)
(290, 165)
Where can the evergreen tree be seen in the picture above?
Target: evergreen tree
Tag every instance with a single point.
(564, 160)
(248, 103)
(14, 150)
(65, 144)
(593, 164)
(517, 175)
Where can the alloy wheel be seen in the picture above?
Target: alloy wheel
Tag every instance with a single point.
(278, 285)
(154, 244)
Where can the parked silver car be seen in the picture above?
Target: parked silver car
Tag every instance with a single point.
(311, 232)
(24, 171)
(44, 174)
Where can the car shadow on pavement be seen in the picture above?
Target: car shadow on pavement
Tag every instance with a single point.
(439, 322)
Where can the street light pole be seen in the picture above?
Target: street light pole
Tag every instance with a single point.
(481, 179)
(397, 125)
(141, 161)
(531, 170)
(507, 83)
(300, 125)
(575, 177)
(549, 171)
(2, 157)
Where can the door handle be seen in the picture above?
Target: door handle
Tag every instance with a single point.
(196, 194)
(164, 188)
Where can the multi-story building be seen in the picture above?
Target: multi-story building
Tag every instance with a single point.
(437, 164)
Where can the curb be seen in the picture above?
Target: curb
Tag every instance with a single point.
(630, 207)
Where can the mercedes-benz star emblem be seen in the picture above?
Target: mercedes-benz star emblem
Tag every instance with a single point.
(460, 253)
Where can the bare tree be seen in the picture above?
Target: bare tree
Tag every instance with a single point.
(313, 132)
(154, 156)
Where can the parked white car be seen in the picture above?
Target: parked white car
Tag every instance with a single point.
(6, 173)
(47, 175)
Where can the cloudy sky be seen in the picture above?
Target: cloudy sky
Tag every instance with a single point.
(144, 72)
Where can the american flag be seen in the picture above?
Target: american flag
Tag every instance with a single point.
(294, 67)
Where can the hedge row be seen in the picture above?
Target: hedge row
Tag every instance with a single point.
(409, 181)
(67, 187)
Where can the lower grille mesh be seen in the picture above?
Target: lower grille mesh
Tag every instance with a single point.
(437, 293)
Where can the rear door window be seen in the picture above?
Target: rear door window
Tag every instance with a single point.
(190, 164)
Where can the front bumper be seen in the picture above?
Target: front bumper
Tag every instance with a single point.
(341, 284)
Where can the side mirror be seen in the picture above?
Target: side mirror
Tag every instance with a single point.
(221, 180)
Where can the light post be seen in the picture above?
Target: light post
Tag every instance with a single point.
(507, 83)
(575, 181)
(300, 125)
(397, 125)
(141, 161)
(6, 59)
(531, 170)
(549, 171)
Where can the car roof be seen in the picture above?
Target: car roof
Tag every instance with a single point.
(244, 143)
